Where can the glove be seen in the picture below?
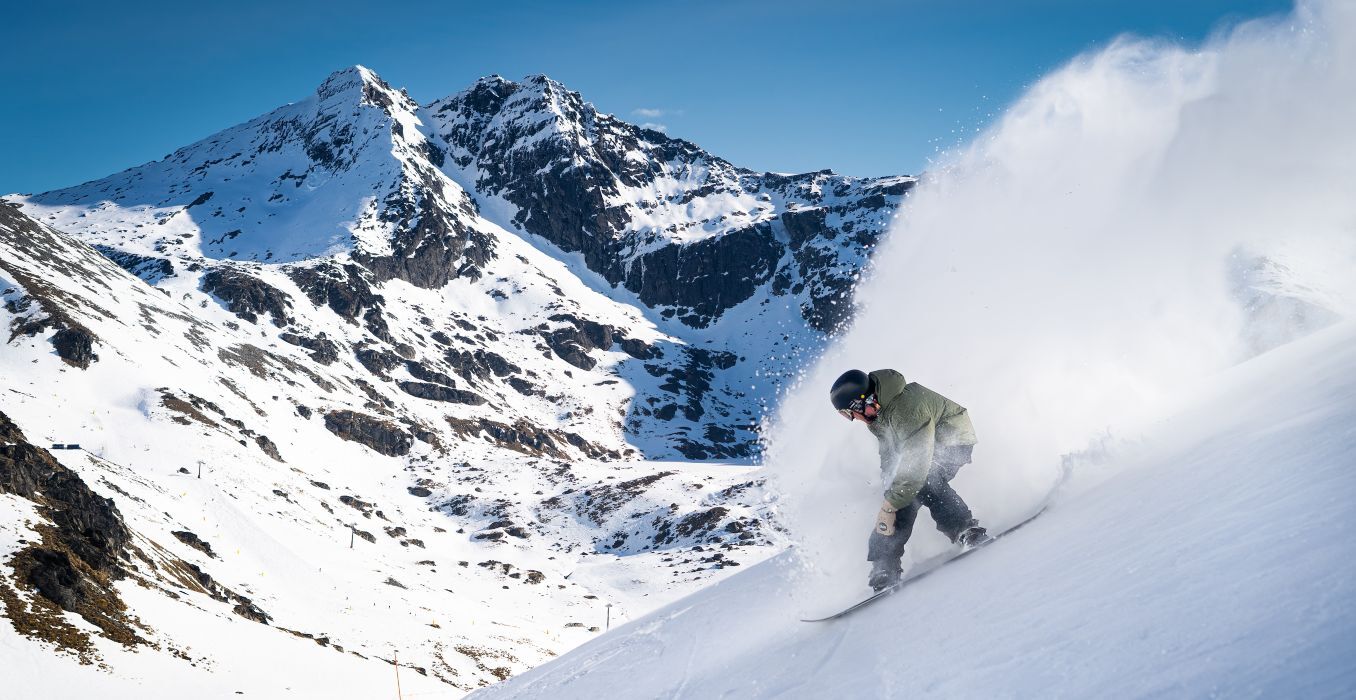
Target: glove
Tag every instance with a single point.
(885, 520)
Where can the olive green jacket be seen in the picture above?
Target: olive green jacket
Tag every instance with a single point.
(912, 422)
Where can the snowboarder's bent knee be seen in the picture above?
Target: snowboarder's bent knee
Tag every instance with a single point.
(924, 439)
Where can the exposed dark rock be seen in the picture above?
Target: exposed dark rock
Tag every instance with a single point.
(194, 541)
(573, 341)
(698, 523)
(357, 503)
(639, 349)
(459, 505)
(81, 553)
(378, 361)
(323, 350)
(524, 387)
(246, 296)
(384, 437)
(590, 334)
(690, 384)
(803, 225)
(739, 449)
(709, 276)
(88, 524)
(600, 502)
(693, 525)
(419, 491)
(192, 409)
(75, 346)
(432, 246)
(423, 373)
(530, 439)
(149, 268)
(268, 446)
(56, 578)
(73, 341)
(375, 399)
(437, 392)
(343, 288)
(250, 611)
(376, 324)
(716, 433)
(479, 364)
(566, 348)
(422, 432)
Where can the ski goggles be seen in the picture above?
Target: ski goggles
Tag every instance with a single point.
(856, 406)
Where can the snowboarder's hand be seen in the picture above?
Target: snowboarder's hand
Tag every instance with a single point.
(885, 520)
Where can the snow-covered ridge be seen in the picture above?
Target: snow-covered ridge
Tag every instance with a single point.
(712, 254)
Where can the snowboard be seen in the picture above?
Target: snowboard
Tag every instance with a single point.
(925, 567)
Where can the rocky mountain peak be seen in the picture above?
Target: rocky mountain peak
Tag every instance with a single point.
(358, 85)
(635, 202)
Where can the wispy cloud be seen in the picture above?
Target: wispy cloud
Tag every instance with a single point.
(648, 112)
(656, 127)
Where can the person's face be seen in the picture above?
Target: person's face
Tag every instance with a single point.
(866, 415)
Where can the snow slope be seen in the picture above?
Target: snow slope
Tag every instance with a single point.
(1212, 560)
(1122, 280)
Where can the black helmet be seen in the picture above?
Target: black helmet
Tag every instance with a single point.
(853, 385)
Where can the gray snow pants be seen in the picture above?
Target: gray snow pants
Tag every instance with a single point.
(942, 501)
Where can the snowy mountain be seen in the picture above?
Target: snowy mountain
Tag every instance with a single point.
(357, 186)
(348, 386)
(687, 232)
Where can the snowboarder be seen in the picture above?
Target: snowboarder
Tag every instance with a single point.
(924, 439)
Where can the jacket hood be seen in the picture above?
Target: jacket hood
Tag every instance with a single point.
(889, 385)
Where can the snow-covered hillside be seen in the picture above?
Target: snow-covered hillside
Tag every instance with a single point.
(320, 512)
(1209, 562)
(424, 425)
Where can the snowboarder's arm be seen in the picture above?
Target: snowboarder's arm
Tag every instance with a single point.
(885, 519)
(906, 462)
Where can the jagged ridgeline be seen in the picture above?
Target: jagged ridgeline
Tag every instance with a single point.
(709, 280)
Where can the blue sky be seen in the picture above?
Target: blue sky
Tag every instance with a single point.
(864, 88)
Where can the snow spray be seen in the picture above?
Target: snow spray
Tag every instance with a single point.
(1143, 217)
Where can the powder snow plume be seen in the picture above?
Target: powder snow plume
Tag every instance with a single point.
(1141, 219)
